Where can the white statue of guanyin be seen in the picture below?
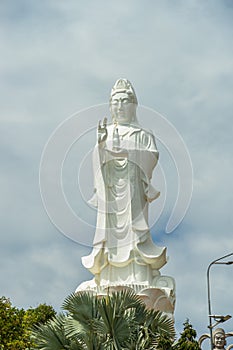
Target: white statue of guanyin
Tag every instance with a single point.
(124, 158)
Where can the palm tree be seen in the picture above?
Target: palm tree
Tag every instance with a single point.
(112, 322)
(51, 336)
(82, 318)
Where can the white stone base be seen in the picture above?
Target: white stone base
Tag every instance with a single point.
(158, 296)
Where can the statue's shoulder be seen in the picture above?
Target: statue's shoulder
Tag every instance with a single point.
(148, 132)
(139, 128)
(145, 133)
(145, 137)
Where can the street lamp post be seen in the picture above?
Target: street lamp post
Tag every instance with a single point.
(218, 319)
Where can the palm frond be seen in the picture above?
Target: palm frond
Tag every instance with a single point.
(82, 306)
(74, 329)
(126, 300)
(117, 322)
(51, 335)
(162, 324)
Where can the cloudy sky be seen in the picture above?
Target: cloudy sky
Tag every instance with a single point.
(59, 58)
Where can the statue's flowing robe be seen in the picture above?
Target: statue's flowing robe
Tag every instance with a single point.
(122, 192)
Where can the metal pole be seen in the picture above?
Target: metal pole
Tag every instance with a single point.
(208, 293)
(209, 306)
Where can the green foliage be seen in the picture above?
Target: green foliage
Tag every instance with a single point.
(11, 331)
(15, 324)
(38, 315)
(51, 336)
(164, 342)
(112, 322)
(187, 340)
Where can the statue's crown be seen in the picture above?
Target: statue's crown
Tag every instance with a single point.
(219, 330)
(124, 85)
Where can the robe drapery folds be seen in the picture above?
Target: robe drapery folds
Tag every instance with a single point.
(122, 181)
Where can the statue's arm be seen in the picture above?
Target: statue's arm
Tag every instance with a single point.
(146, 154)
(202, 338)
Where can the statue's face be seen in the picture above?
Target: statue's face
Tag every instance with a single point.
(122, 109)
(219, 341)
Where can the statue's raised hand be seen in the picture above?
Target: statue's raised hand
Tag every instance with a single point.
(102, 131)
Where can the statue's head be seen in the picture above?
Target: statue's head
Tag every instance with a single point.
(123, 102)
(219, 338)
